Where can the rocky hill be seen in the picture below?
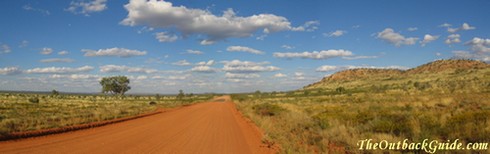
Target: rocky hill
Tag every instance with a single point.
(368, 76)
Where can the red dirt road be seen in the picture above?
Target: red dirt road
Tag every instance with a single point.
(214, 127)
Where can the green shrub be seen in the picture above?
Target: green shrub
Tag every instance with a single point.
(268, 109)
(34, 100)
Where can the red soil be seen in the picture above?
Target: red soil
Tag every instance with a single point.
(213, 127)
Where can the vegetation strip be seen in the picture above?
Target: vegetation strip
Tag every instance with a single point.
(35, 133)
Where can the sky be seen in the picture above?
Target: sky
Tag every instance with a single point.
(227, 46)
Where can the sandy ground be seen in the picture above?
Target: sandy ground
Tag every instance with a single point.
(213, 127)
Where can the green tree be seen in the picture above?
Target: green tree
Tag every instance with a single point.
(115, 85)
(55, 93)
(340, 90)
(181, 95)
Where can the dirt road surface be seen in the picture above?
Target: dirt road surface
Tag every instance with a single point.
(214, 127)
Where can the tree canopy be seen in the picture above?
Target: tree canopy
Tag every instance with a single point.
(115, 85)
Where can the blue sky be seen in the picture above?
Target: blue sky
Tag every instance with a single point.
(227, 46)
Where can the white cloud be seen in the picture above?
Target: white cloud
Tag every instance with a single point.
(46, 51)
(165, 37)
(329, 68)
(116, 52)
(162, 14)
(74, 76)
(60, 70)
(87, 7)
(359, 57)
(336, 33)
(390, 36)
(280, 75)
(243, 49)
(64, 52)
(453, 38)
(195, 52)
(57, 60)
(299, 76)
(465, 26)
(123, 68)
(5, 49)
(24, 43)
(237, 66)
(10, 71)
(287, 47)
(412, 29)
(203, 69)
(182, 63)
(241, 75)
(479, 45)
(309, 26)
(324, 54)
(28, 7)
(471, 55)
(428, 38)
(438, 54)
(204, 63)
(445, 25)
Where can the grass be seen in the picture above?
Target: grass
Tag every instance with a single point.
(21, 112)
(327, 119)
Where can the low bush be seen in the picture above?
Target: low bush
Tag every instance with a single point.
(268, 109)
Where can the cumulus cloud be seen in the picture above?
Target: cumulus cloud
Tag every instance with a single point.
(204, 69)
(60, 70)
(309, 26)
(115, 52)
(244, 49)
(280, 75)
(445, 25)
(237, 66)
(359, 57)
(390, 36)
(87, 7)
(479, 45)
(165, 37)
(5, 49)
(464, 27)
(324, 54)
(195, 52)
(123, 68)
(299, 76)
(64, 52)
(287, 47)
(46, 51)
(329, 68)
(74, 76)
(10, 71)
(336, 33)
(428, 38)
(453, 38)
(471, 55)
(189, 21)
(57, 60)
(241, 75)
(480, 50)
(182, 63)
(204, 63)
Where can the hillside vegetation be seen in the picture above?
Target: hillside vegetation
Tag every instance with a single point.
(442, 100)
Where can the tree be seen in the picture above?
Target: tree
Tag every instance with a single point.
(55, 93)
(181, 95)
(115, 85)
